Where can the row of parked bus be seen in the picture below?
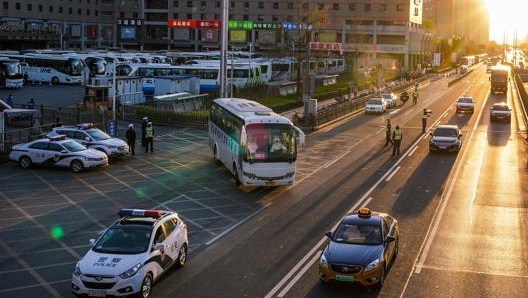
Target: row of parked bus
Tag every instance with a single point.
(64, 67)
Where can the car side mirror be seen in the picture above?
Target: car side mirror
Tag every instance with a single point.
(328, 234)
(390, 239)
(159, 246)
(92, 242)
(87, 139)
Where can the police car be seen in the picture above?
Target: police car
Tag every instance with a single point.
(57, 151)
(95, 138)
(132, 254)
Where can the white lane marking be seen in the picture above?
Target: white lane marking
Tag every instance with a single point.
(367, 202)
(413, 150)
(392, 174)
(336, 159)
(301, 273)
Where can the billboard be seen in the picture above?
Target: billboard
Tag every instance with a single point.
(415, 11)
(209, 35)
(128, 32)
(237, 35)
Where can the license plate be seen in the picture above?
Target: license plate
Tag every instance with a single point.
(345, 278)
(96, 293)
(270, 183)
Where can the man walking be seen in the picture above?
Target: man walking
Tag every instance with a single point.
(149, 137)
(388, 133)
(10, 101)
(425, 115)
(131, 138)
(143, 127)
(396, 140)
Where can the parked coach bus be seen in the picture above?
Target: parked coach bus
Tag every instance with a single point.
(53, 69)
(258, 146)
(10, 73)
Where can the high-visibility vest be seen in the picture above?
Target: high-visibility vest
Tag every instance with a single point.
(425, 115)
(397, 134)
(149, 132)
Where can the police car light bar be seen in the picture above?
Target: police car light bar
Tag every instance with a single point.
(85, 125)
(141, 213)
(52, 137)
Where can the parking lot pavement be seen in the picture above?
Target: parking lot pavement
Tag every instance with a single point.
(47, 215)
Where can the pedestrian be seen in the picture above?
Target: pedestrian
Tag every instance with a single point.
(396, 140)
(31, 103)
(425, 115)
(388, 131)
(10, 101)
(131, 138)
(143, 127)
(149, 137)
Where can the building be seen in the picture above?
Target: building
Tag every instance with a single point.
(387, 34)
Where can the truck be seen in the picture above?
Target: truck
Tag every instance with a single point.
(499, 79)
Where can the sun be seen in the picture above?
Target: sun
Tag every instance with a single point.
(507, 17)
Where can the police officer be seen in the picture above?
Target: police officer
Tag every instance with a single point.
(396, 140)
(425, 115)
(388, 131)
(149, 137)
(415, 96)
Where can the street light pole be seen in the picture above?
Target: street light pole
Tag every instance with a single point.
(223, 49)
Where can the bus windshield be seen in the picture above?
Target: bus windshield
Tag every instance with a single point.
(270, 142)
(76, 66)
(13, 69)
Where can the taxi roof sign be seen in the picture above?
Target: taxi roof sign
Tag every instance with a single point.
(364, 212)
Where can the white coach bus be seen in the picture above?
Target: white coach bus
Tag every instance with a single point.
(54, 69)
(258, 146)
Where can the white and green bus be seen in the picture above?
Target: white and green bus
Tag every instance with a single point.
(257, 145)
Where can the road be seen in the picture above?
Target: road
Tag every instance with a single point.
(462, 217)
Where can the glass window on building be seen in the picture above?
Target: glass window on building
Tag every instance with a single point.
(399, 7)
(383, 7)
(246, 6)
(320, 6)
(87, 12)
(175, 3)
(352, 6)
(245, 17)
(29, 7)
(6, 5)
(260, 18)
(291, 5)
(203, 5)
(61, 9)
(203, 16)
(189, 16)
(96, 13)
(367, 7)
(336, 6)
(217, 5)
(70, 10)
(50, 8)
(260, 5)
(17, 6)
(79, 11)
(40, 7)
(189, 4)
(217, 16)
(275, 5)
(289, 18)
(275, 18)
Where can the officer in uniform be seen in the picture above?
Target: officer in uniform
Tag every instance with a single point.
(415, 97)
(149, 137)
(425, 115)
(388, 131)
(396, 140)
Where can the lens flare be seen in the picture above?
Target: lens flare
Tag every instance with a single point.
(56, 232)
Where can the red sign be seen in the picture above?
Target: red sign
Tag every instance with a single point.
(212, 24)
(326, 46)
(175, 23)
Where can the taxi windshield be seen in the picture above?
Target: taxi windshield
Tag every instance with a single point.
(73, 146)
(358, 234)
(98, 135)
(124, 240)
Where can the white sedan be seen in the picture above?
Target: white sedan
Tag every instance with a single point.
(375, 105)
(57, 151)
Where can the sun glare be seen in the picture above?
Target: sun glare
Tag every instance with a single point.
(507, 17)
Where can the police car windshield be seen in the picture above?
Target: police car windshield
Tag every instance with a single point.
(73, 146)
(358, 234)
(124, 240)
(98, 135)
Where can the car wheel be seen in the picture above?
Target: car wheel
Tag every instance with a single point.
(182, 256)
(25, 162)
(76, 166)
(146, 286)
(55, 81)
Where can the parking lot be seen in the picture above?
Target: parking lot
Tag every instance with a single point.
(48, 215)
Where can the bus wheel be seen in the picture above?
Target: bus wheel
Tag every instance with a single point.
(235, 174)
(55, 81)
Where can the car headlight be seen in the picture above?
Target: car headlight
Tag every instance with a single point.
(323, 262)
(77, 270)
(132, 271)
(373, 265)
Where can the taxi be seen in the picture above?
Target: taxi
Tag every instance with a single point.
(92, 137)
(132, 254)
(360, 249)
(57, 151)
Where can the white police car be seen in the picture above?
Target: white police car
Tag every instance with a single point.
(132, 254)
(57, 151)
(95, 138)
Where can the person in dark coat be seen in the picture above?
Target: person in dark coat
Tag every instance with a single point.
(388, 132)
(10, 101)
(143, 131)
(131, 138)
(31, 103)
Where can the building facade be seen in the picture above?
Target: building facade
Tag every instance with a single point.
(387, 33)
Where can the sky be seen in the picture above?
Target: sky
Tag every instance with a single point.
(508, 17)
